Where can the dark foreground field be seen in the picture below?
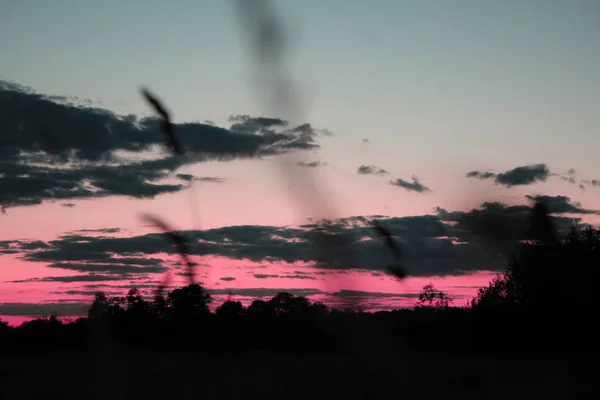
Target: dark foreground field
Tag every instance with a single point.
(264, 375)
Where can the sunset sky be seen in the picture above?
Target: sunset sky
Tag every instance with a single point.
(442, 119)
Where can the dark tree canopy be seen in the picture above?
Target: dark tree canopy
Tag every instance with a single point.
(548, 276)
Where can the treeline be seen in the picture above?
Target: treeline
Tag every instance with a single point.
(545, 301)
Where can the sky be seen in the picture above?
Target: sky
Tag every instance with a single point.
(444, 120)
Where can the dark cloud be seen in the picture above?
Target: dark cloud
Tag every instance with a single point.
(300, 137)
(70, 205)
(71, 309)
(371, 170)
(534, 173)
(248, 124)
(562, 205)
(193, 178)
(265, 276)
(312, 164)
(297, 276)
(227, 278)
(414, 186)
(74, 278)
(360, 294)
(101, 230)
(52, 149)
(294, 276)
(445, 243)
(88, 292)
(497, 227)
(142, 266)
(9, 246)
(481, 175)
(264, 292)
(525, 175)
(29, 184)
(366, 140)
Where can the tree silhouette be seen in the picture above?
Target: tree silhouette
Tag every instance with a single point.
(287, 303)
(230, 309)
(261, 308)
(539, 271)
(189, 301)
(430, 297)
(99, 307)
(159, 307)
(3, 325)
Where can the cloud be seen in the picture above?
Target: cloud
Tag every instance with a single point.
(414, 186)
(69, 205)
(101, 230)
(227, 278)
(593, 182)
(358, 293)
(264, 292)
(525, 175)
(312, 164)
(30, 184)
(498, 227)
(74, 309)
(53, 149)
(193, 178)
(248, 124)
(142, 266)
(371, 170)
(265, 276)
(294, 276)
(481, 175)
(443, 243)
(562, 205)
(299, 276)
(32, 245)
(301, 136)
(74, 278)
(8, 246)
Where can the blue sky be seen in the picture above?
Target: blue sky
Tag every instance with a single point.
(440, 88)
(426, 75)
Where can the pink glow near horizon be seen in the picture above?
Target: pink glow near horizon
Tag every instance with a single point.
(373, 291)
(227, 207)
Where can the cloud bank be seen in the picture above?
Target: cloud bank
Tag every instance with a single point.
(442, 243)
(52, 149)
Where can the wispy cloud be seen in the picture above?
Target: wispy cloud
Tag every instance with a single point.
(312, 164)
(414, 186)
(371, 170)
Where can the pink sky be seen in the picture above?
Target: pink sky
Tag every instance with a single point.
(373, 292)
